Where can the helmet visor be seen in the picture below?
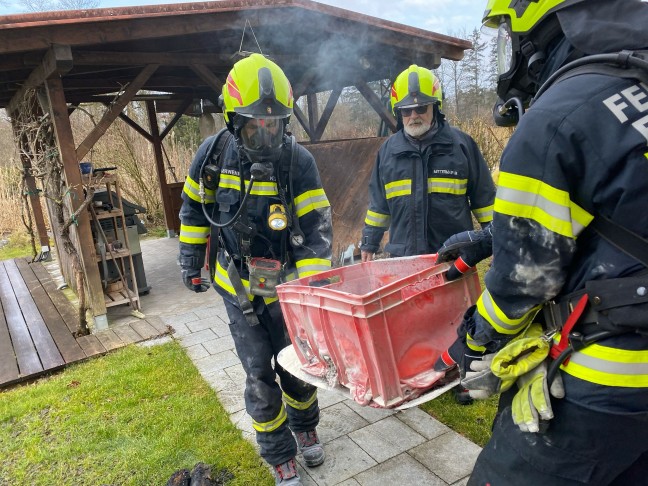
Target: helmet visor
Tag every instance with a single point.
(262, 134)
(504, 49)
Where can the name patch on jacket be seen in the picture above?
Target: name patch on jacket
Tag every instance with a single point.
(632, 101)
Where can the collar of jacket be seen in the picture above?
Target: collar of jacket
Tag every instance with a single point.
(401, 145)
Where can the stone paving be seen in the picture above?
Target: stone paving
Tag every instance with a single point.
(364, 446)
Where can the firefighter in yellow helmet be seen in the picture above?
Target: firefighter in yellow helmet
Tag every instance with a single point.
(258, 195)
(429, 180)
(570, 249)
(429, 177)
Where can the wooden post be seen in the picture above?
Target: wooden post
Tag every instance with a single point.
(86, 247)
(156, 140)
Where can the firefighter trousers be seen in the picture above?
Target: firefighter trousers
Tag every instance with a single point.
(581, 447)
(257, 348)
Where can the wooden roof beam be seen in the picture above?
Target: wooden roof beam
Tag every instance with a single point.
(115, 109)
(181, 109)
(374, 101)
(57, 60)
(326, 114)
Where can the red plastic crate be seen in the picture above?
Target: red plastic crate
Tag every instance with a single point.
(377, 327)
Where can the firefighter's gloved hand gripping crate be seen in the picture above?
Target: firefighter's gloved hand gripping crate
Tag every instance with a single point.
(375, 327)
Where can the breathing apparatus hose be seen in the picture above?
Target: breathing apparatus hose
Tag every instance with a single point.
(204, 206)
(621, 59)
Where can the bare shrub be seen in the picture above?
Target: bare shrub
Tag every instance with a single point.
(10, 199)
(490, 139)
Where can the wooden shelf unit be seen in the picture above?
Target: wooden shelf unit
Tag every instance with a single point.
(122, 257)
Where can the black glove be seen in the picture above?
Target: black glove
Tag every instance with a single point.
(193, 281)
(467, 249)
(459, 354)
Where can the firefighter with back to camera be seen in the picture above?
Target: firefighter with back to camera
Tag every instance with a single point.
(561, 329)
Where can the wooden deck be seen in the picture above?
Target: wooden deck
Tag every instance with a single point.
(38, 322)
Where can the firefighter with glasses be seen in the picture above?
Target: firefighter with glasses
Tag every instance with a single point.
(257, 195)
(562, 326)
(429, 177)
(429, 180)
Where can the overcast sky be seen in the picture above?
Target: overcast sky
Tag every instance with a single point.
(441, 16)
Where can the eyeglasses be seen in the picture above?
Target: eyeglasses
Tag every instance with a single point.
(420, 110)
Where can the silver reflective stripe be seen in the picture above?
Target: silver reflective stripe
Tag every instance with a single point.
(606, 366)
(530, 199)
(398, 188)
(452, 186)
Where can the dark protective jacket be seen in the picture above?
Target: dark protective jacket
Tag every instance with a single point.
(579, 152)
(311, 207)
(424, 197)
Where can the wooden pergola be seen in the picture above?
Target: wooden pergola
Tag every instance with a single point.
(182, 53)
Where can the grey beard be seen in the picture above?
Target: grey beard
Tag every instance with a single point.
(417, 131)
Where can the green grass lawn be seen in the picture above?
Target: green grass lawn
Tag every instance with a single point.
(132, 417)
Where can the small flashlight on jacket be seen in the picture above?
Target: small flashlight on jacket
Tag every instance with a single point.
(277, 220)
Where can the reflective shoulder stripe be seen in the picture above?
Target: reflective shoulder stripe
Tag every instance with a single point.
(377, 219)
(483, 215)
(447, 186)
(192, 189)
(296, 404)
(311, 266)
(272, 424)
(193, 234)
(489, 310)
(608, 366)
(398, 188)
(521, 196)
(310, 201)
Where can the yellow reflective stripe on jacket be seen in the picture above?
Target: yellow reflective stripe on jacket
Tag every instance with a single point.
(470, 342)
(377, 219)
(272, 424)
(296, 404)
(263, 188)
(608, 366)
(483, 215)
(229, 181)
(447, 186)
(489, 310)
(521, 196)
(310, 201)
(192, 189)
(194, 234)
(223, 281)
(398, 188)
(311, 266)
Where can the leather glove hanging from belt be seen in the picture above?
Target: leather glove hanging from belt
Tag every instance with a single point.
(467, 249)
(522, 361)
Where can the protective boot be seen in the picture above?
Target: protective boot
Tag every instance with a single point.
(286, 474)
(310, 447)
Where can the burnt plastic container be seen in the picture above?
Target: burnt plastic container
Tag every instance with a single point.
(377, 327)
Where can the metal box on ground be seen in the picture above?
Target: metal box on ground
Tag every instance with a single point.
(377, 327)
